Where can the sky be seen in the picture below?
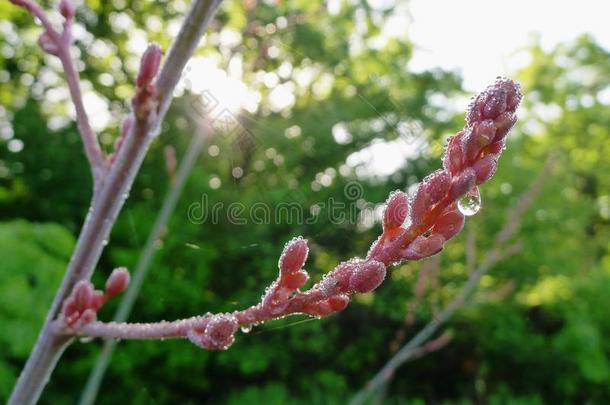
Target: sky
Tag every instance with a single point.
(481, 38)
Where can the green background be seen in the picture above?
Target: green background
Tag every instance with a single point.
(536, 331)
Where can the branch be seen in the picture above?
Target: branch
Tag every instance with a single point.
(112, 195)
(434, 217)
(499, 252)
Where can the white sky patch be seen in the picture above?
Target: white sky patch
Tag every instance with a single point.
(97, 109)
(383, 158)
(282, 97)
(481, 38)
(203, 76)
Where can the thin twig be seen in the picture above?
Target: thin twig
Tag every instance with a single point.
(92, 147)
(62, 42)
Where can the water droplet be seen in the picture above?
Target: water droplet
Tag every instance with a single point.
(86, 339)
(246, 328)
(470, 203)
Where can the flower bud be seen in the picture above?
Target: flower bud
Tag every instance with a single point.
(218, 334)
(83, 294)
(98, 300)
(117, 281)
(449, 224)
(495, 148)
(149, 65)
(396, 210)
(495, 103)
(221, 327)
(69, 307)
(296, 280)
(500, 97)
(485, 168)
(66, 9)
(503, 124)
(419, 205)
(88, 316)
(320, 308)
(338, 302)
(367, 276)
(341, 276)
(481, 134)
(453, 158)
(436, 186)
(462, 183)
(294, 256)
(427, 246)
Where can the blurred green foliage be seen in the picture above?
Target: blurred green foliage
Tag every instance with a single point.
(535, 331)
(34, 257)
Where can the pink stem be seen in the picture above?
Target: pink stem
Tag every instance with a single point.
(157, 330)
(63, 41)
(88, 136)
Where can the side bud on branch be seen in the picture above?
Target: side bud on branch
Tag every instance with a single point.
(145, 99)
(367, 276)
(449, 224)
(396, 210)
(149, 65)
(291, 276)
(81, 306)
(117, 282)
(294, 256)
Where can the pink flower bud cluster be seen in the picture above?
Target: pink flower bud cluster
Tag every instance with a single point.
(291, 277)
(214, 333)
(470, 159)
(330, 295)
(413, 228)
(144, 100)
(81, 306)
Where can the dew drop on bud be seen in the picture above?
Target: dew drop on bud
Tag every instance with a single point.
(246, 328)
(470, 203)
